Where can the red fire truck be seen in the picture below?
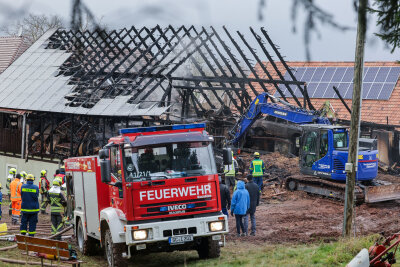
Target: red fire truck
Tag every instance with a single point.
(150, 189)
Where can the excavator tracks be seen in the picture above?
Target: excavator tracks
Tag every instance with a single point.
(322, 187)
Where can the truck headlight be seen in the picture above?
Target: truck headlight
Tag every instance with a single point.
(216, 226)
(139, 234)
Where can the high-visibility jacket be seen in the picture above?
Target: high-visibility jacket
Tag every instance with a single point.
(257, 168)
(44, 185)
(61, 177)
(15, 188)
(57, 200)
(30, 197)
(9, 180)
(230, 170)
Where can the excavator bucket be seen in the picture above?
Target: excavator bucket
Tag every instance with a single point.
(382, 193)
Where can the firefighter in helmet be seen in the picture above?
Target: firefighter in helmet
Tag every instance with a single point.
(60, 174)
(11, 175)
(257, 169)
(57, 203)
(15, 188)
(29, 206)
(23, 176)
(44, 186)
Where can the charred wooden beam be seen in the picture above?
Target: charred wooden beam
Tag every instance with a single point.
(341, 99)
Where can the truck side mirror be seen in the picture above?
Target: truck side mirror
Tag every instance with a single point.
(227, 156)
(105, 170)
(104, 153)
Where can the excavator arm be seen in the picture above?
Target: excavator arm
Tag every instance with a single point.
(277, 108)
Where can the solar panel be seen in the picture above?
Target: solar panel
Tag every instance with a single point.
(381, 75)
(321, 88)
(378, 82)
(338, 76)
(308, 74)
(348, 75)
(319, 72)
(299, 73)
(375, 90)
(327, 77)
(311, 88)
(330, 93)
(349, 91)
(365, 90)
(393, 75)
(370, 74)
(386, 91)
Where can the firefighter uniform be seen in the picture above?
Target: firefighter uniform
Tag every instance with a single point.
(15, 188)
(57, 203)
(230, 173)
(60, 174)
(257, 169)
(29, 206)
(44, 186)
(11, 175)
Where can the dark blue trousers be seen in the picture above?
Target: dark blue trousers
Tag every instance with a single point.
(258, 181)
(31, 219)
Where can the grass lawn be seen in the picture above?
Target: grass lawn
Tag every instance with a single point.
(245, 254)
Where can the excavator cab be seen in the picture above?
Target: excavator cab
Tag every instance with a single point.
(316, 148)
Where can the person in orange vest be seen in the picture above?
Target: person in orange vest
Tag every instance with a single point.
(15, 188)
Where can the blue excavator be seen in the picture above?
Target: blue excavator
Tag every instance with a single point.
(323, 152)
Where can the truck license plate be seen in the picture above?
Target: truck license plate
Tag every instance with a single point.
(173, 240)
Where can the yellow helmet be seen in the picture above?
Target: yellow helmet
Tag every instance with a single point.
(13, 171)
(256, 154)
(0, 186)
(57, 182)
(43, 172)
(23, 174)
(30, 177)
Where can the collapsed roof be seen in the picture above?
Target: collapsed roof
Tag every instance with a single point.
(140, 72)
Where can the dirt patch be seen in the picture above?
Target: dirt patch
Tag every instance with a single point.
(296, 217)
(303, 219)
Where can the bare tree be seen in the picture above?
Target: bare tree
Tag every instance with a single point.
(388, 22)
(32, 26)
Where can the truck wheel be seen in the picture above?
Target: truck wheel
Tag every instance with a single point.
(113, 252)
(88, 246)
(209, 248)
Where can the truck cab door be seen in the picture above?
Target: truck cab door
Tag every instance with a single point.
(309, 152)
(116, 177)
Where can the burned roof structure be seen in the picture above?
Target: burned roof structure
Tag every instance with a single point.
(165, 74)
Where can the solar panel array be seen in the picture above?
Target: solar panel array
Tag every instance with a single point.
(378, 82)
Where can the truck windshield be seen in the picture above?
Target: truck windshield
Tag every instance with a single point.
(165, 161)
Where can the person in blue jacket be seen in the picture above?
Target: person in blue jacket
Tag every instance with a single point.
(29, 206)
(239, 206)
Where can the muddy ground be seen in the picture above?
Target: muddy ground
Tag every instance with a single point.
(296, 217)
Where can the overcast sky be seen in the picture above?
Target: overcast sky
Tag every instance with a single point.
(332, 45)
